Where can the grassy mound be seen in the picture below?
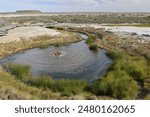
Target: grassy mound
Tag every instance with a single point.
(118, 84)
(13, 89)
(123, 77)
(94, 47)
(90, 41)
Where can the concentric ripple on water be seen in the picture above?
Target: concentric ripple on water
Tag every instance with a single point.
(77, 62)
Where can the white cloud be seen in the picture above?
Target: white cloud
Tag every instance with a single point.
(76, 5)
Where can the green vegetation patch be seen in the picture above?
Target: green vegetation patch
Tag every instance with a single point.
(64, 86)
(12, 89)
(117, 84)
(137, 67)
(21, 72)
(91, 39)
(94, 47)
(122, 79)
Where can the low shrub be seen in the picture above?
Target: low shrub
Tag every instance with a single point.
(91, 39)
(94, 47)
(117, 84)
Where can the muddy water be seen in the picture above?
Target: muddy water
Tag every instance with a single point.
(75, 61)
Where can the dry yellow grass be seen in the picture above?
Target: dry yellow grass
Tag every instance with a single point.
(23, 44)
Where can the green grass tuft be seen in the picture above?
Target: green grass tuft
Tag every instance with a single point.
(21, 72)
(64, 86)
(91, 39)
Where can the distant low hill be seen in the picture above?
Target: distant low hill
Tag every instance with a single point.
(28, 11)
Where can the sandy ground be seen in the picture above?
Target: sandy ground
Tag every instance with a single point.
(27, 32)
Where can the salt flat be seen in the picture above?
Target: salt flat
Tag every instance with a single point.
(139, 32)
(27, 32)
(130, 29)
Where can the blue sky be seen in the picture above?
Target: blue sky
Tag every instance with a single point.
(76, 5)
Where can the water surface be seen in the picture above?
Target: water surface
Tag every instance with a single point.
(77, 61)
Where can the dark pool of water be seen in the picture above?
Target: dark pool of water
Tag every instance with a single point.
(76, 62)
